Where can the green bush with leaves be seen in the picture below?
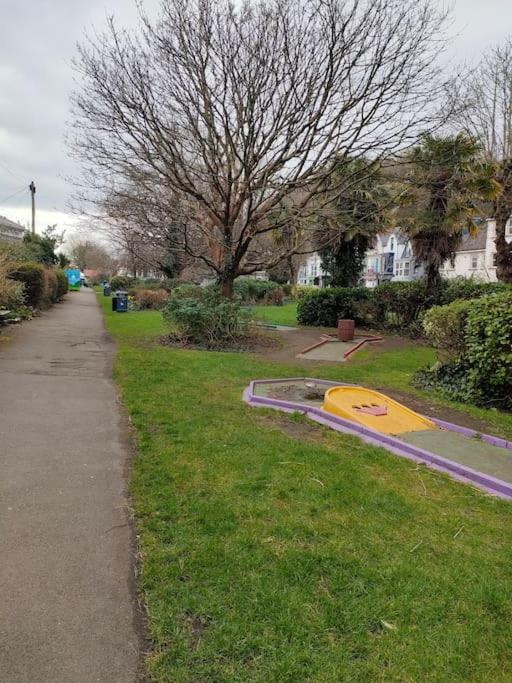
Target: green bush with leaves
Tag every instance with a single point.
(324, 307)
(33, 277)
(489, 350)
(250, 290)
(62, 283)
(120, 282)
(206, 319)
(477, 367)
(445, 327)
(469, 288)
(12, 294)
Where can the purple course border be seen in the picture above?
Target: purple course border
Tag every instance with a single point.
(485, 482)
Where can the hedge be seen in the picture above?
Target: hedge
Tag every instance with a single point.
(62, 283)
(33, 276)
(396, 306)
(479, 367)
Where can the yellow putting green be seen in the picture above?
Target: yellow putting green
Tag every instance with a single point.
(375, 410)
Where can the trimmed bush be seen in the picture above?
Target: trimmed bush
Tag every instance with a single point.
(445, 327)
(489, 350)
(51, 288)
(150, 299)
(209, 319)
(249, 290)
(468, 288)
(479, 365)
(62, 284)
(32, 275)
(300, 292)
(324, 307)
(12, 296)
(120, 282)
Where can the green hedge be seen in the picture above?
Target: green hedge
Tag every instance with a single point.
(478, 334)
(394, 306)
(489, 350)
(33, 276)
(62, 283)
(445, 327)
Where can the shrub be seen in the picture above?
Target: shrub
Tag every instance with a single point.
(249, 290)
(62, 284)
(324, 307)
(32, 275)
(152, 299)
(445, 327)
(208, 319)
(12, 296)
(275, 297)
(120, 282)
(300, 292)
(51, 287)
(469, 288)
(489, 350)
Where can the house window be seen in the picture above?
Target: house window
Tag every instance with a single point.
(403, 268)
(508, 229)
(474, 261)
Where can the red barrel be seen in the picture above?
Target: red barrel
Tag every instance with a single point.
(346, 330)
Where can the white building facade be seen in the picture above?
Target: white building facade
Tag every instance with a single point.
(391, 259)
(10, 231)
(311, 271)
(476, 257)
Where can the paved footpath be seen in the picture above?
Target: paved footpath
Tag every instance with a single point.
(67, 608)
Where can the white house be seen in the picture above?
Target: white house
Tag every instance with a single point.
(476, 257)
(311, 271)
(10, 231)
(390, 258)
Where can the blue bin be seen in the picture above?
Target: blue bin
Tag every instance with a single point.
(106, 290)
(120, 302)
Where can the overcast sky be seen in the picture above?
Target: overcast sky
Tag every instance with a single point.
(37, 42)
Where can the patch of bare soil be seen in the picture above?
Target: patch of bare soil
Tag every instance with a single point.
(255, 342)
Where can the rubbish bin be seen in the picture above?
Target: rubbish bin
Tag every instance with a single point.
(121, 298)
(106, 290)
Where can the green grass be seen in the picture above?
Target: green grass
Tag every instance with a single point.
(274, 550)
(278, 315)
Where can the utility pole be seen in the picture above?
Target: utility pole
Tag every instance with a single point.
(32, 189)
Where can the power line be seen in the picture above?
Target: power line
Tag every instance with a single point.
(4, 166)
(2, 201)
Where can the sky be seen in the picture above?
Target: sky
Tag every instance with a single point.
(37, 43)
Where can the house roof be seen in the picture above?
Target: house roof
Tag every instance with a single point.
(11, 225)
(476, 241)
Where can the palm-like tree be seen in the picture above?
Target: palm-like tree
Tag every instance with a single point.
(349, 223)
(445, 183)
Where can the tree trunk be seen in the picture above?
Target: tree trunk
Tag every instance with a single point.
(226, 286)
(503, 250)
(433, 279)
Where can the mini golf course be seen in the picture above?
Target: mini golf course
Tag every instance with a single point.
(329, 348)
(479, 459)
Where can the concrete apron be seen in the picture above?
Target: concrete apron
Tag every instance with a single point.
(67, 562)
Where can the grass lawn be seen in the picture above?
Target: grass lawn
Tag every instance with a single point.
(278, 315)
(275, 550)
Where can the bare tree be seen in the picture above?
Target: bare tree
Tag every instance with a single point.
(87, 253)
(484, 103)
(234, 108)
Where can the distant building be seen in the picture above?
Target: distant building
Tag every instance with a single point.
(476, 256)
(10, 231)
(311, 271)
(391, 259)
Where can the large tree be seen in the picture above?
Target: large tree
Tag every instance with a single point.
(484, 104)
(348, 225)
(444, 183)
(235, 106)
